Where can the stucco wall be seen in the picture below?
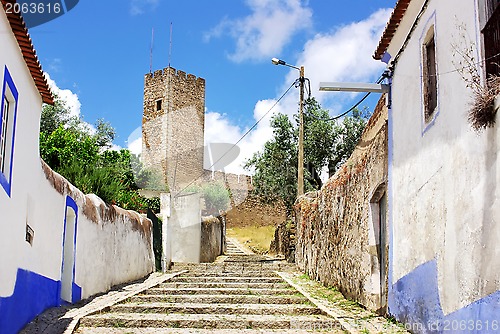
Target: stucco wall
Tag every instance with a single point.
(184, 228)
(187, 236)
(338, 227)
(111, 246)
(443, 182)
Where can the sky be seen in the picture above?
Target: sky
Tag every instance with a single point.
(96, 55)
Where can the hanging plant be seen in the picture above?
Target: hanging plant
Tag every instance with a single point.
(483, 112)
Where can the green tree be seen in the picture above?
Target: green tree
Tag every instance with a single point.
(276, 166)
(63, 146)
(326, 143)
(347, 134)
(105, 133)
(56, 115)
(81, 154)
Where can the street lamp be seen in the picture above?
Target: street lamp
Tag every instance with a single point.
(300, 167)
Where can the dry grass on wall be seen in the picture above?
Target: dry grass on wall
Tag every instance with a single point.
(483, 113)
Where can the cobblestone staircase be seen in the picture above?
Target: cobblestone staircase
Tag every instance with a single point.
(244, 294)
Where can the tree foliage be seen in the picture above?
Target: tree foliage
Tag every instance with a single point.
(276, 165)
(326, 143)
(216, 197)
(347, 134)
(82, 155)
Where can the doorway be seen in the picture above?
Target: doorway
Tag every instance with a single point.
(378, 205)
(69, 248)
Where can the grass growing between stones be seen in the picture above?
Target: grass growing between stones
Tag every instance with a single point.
(257, 238)
(362, 320)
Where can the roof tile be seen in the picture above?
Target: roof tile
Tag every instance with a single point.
(25, 44)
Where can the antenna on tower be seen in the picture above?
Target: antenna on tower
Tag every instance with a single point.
(170, 48)
(151, 50)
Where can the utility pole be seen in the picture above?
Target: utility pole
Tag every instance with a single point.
(300, 167)
(300, 162)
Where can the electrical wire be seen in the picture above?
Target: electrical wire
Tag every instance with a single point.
(242, 137)
(465, 67)
(380, 79)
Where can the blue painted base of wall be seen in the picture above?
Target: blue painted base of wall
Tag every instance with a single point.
(32, 295)
(414, 301)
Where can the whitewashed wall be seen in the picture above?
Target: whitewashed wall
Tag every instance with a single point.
(443, 178)
(112, 245)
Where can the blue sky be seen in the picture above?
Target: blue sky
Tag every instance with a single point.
(97, 55)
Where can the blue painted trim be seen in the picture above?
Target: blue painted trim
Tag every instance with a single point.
(76, 293)
(416, 303)
(386, 57)
(9, 82)
(32, 295)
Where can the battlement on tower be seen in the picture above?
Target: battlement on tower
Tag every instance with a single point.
(159, 75)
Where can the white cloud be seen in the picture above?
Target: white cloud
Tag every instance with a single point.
(67, 96)
(342, 55)
(219, 129)
(138, 7)
(134, 141)
(267, 30)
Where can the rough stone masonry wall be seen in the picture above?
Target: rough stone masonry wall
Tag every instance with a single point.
(212, 238)
(247, 209)
(173, 137)
(333, 225)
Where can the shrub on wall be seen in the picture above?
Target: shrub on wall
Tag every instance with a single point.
(83, 157)
(216, 197)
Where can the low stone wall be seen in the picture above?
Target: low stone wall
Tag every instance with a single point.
(212, 238)
(280, 245)
(338, 229)
(253, 212)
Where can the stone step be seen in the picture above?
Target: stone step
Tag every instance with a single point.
(236, 266)
(206, 321)
(149, 330)
(230, 274)
(218, 291)
(195, 308)
(181, 285)
(226, 279)
(220, 299)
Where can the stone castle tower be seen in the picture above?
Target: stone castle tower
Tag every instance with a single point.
(173, 126)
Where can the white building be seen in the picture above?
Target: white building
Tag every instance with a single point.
(57, 245)
(444, 177)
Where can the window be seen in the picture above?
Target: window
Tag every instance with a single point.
(429, 77)
(158, 105)
(7, 130)
(491, 35)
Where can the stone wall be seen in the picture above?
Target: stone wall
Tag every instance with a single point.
(280, 245)
(212, 238)
(245, 207)
(173, 125)
(338, 229)
(252, 211)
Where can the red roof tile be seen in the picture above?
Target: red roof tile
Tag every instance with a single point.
(25, 44)
(390, 29)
